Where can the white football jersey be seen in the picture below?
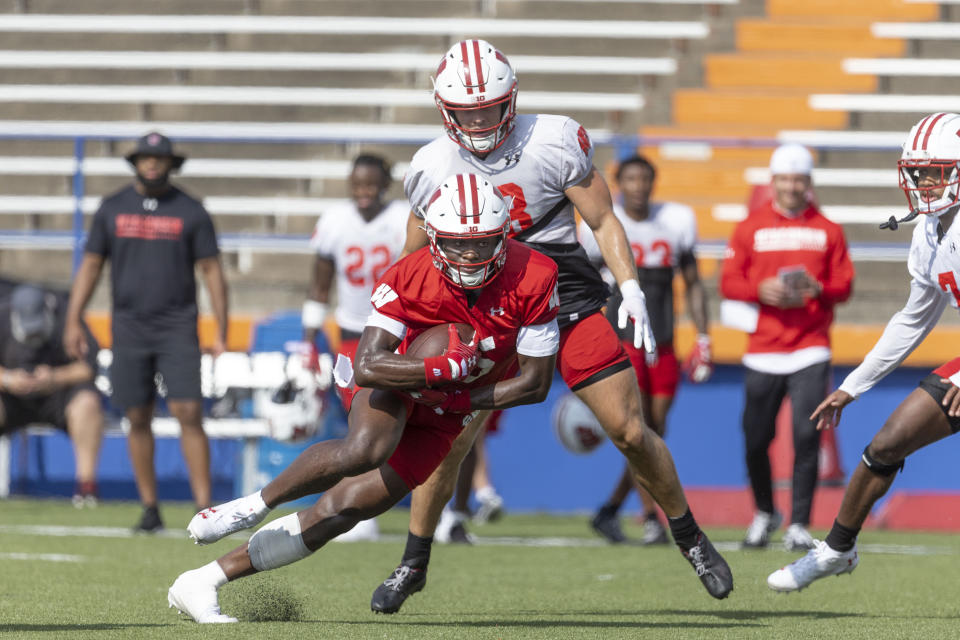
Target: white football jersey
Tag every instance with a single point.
(936, 264)
(542, 157)
(669, 231)
(361, 252)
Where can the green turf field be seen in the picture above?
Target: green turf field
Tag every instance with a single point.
(90, 579)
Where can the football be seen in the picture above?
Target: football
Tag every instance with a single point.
(433, 341)
(575, 426)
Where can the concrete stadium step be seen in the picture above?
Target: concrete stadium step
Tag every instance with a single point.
(779, 109)
(854, 9)
(606, 10)
(759, 35)
(794, 71)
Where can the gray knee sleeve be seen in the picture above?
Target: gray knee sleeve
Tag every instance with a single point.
(277, 544)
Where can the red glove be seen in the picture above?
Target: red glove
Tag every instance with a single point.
(699, 365)
(311, 358)
(456, 401)
(456, 363)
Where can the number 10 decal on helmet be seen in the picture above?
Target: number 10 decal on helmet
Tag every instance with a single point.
(471, 76)
(467, 223)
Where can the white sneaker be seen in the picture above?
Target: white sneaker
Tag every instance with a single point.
(450, 529)
(758, 533)
(820, 562)
(797, 538)
(363, 531)
(196, 596)
(214, 523)
(491, 506)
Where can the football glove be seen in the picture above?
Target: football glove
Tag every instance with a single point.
(456, 363)
(456, 401)
(634, 307)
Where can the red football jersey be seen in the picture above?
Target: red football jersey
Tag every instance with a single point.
(415, 294)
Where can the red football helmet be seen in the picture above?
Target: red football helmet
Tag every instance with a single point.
(474, 75)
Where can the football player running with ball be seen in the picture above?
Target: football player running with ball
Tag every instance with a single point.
(409, 409)
(544, 165)
(930, 177)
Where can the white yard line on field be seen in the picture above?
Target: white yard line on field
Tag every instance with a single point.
(481, 541)
(50, 557)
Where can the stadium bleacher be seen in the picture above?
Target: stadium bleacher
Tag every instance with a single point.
(271, 99)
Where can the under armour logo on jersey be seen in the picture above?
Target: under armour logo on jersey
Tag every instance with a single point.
(512, 158)
(496, 311)
(383, 295)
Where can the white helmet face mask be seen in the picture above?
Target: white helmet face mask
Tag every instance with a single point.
(466, 208)
(474, 75)
(930, 162)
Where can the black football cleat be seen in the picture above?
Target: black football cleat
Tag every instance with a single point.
(394, 591)
(607, 524)
(711, 568)
(150, 521)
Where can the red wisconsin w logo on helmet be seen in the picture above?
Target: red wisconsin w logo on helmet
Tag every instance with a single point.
(472, 66)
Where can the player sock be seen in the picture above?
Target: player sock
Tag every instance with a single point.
(417, 551)
(213, 573)
(841, 538)
(684, 530)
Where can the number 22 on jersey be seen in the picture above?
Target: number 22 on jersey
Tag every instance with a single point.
(365, 267)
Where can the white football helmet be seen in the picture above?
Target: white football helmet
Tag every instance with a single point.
(474, 75)
(466, 206)
(575, 426)
(294, 413)
(932, 145)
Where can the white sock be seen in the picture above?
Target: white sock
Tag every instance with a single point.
(259, 506)
(486, 493)
(213, 572)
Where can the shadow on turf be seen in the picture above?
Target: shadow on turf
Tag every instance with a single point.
(107, 626)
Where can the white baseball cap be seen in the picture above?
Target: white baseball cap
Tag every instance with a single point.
(791, 159)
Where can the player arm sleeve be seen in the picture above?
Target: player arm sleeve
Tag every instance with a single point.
(98, 238)
(205, 237)
(905, 331)
(539, 340)
(391, 325)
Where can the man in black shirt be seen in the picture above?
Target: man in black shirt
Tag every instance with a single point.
(155, 235)
(40, 383)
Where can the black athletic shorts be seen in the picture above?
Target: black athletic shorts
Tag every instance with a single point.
(19, 411)
(932, 385)
(137, 371)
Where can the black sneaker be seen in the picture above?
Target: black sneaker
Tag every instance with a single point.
(393, 592)
(150, 521)
(460, 535)
(607, 524)
(711, 568)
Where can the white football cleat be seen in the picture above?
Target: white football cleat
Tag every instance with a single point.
(217, 522)
(797, 538)
(363, 531)
(192, 593)
(820, 562)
